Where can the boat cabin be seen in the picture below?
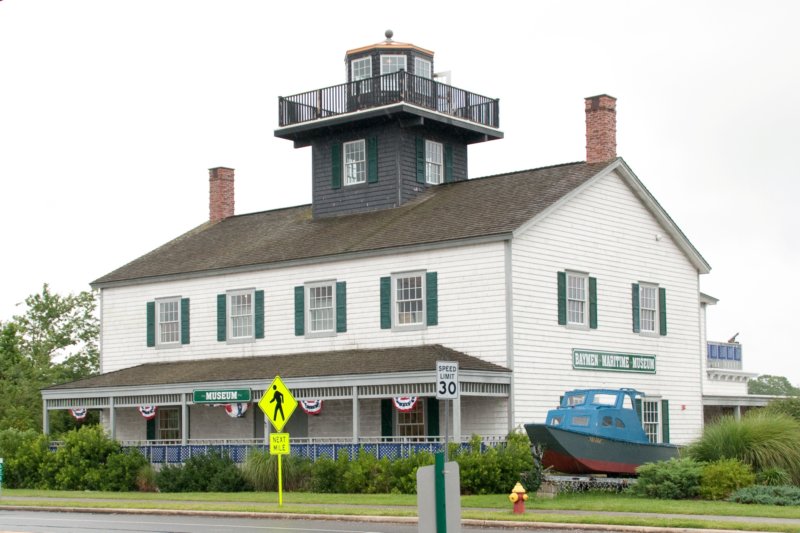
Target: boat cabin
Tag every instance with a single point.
(607, 413)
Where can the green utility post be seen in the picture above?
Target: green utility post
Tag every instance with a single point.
(441, 507)
(1, 476)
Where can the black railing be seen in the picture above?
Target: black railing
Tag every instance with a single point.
(384, 90)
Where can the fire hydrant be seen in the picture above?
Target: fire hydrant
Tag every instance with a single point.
(518, 496)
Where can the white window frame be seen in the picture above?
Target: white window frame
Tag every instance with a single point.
(651, 419)
(575, 302)
(428, 68)
(645, 312)
(361, 69)
(168, 414)
(230, 318)
(387, 84)
(355, 170)
(309, 288)
(396, 302)
(176, 301)
(434, 162)
(404, 426)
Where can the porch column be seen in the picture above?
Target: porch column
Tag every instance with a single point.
(267, 429)
(112, 418)
(184, 420)
(355, 414)
(45, 418)
(737, 414)
(456, 419)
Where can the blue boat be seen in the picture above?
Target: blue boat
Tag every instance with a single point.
(597, 431)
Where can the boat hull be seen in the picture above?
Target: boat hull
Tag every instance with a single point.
(572, 452)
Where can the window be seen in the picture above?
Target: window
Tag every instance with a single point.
(389, 65)
(433, 162)
(412, 423)
(169, 423)
(240, 315)
(409, 300)
(361, 69)
(355, 162)
(649, 309)
(650, 420)
(320, 308)
(422, 68)
(168, 322)
(577, 300)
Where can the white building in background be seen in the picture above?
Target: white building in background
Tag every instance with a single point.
(535, 282)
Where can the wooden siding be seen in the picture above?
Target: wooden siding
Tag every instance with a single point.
(396, 170)
(606, 232)
(471, 291)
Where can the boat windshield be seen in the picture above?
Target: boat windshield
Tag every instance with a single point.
(575, 399)
(605, 399)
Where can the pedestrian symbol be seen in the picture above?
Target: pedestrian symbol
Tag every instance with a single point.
(278, 404)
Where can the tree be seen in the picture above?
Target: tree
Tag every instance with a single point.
(776, 385)
(54, 341)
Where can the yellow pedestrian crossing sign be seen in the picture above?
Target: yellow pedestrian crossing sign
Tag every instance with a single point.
(278, 404)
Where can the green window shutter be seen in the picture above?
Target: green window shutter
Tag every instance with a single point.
(665, 421)
(184, 320)
(432, 406)
(420, 160)
(448, 163)
(341, 306)
(386, 417)
(432, 298)
(299, 311)
(662, 310)
(372, 160)
(562, 298)
(386, 302)
(336, 166)
(222, 317)
(635, 307)
(151, 324)
(259, 315)
(593, 303)
(151, 429)
(638, 403)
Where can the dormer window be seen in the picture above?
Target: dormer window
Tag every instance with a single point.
(355, 162)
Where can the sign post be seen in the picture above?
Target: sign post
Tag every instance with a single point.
(1, 475)
(447, 388)
(278, 414)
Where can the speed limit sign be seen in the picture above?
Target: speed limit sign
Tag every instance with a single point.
(447, 380)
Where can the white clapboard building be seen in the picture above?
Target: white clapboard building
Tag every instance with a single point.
(535, 282)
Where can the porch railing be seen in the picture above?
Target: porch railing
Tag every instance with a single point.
(168, 452)
(384, 90)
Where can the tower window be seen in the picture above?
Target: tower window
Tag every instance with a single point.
(433, 162)
(355, 162)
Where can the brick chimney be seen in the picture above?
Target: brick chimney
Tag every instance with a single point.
(220, 198)
(601, 128)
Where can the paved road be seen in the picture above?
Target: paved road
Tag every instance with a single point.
(67, 522)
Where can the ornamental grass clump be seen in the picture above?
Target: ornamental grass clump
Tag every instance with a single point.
(760, 439)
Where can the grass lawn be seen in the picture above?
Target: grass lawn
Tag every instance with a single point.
(487, 507)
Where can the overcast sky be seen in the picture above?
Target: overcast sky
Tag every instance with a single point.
(111, 113)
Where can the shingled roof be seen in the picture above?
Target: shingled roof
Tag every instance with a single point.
(303, 365)
(493, 205)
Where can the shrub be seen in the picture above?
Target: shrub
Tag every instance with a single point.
(11, 440)
(80, 463)
(122, 471)
(721, 478)
(146, 479)
(499, 468)
(23, 469)
(260, 469)
(326, 475)
(210, 472)
(773, 477)
(761, 439)
(759, 494)
(674, 479)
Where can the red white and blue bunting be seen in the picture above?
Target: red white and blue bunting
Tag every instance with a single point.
(404, 403)
(311, 407)
(79, 413)
(148, 411)
(236, 410)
